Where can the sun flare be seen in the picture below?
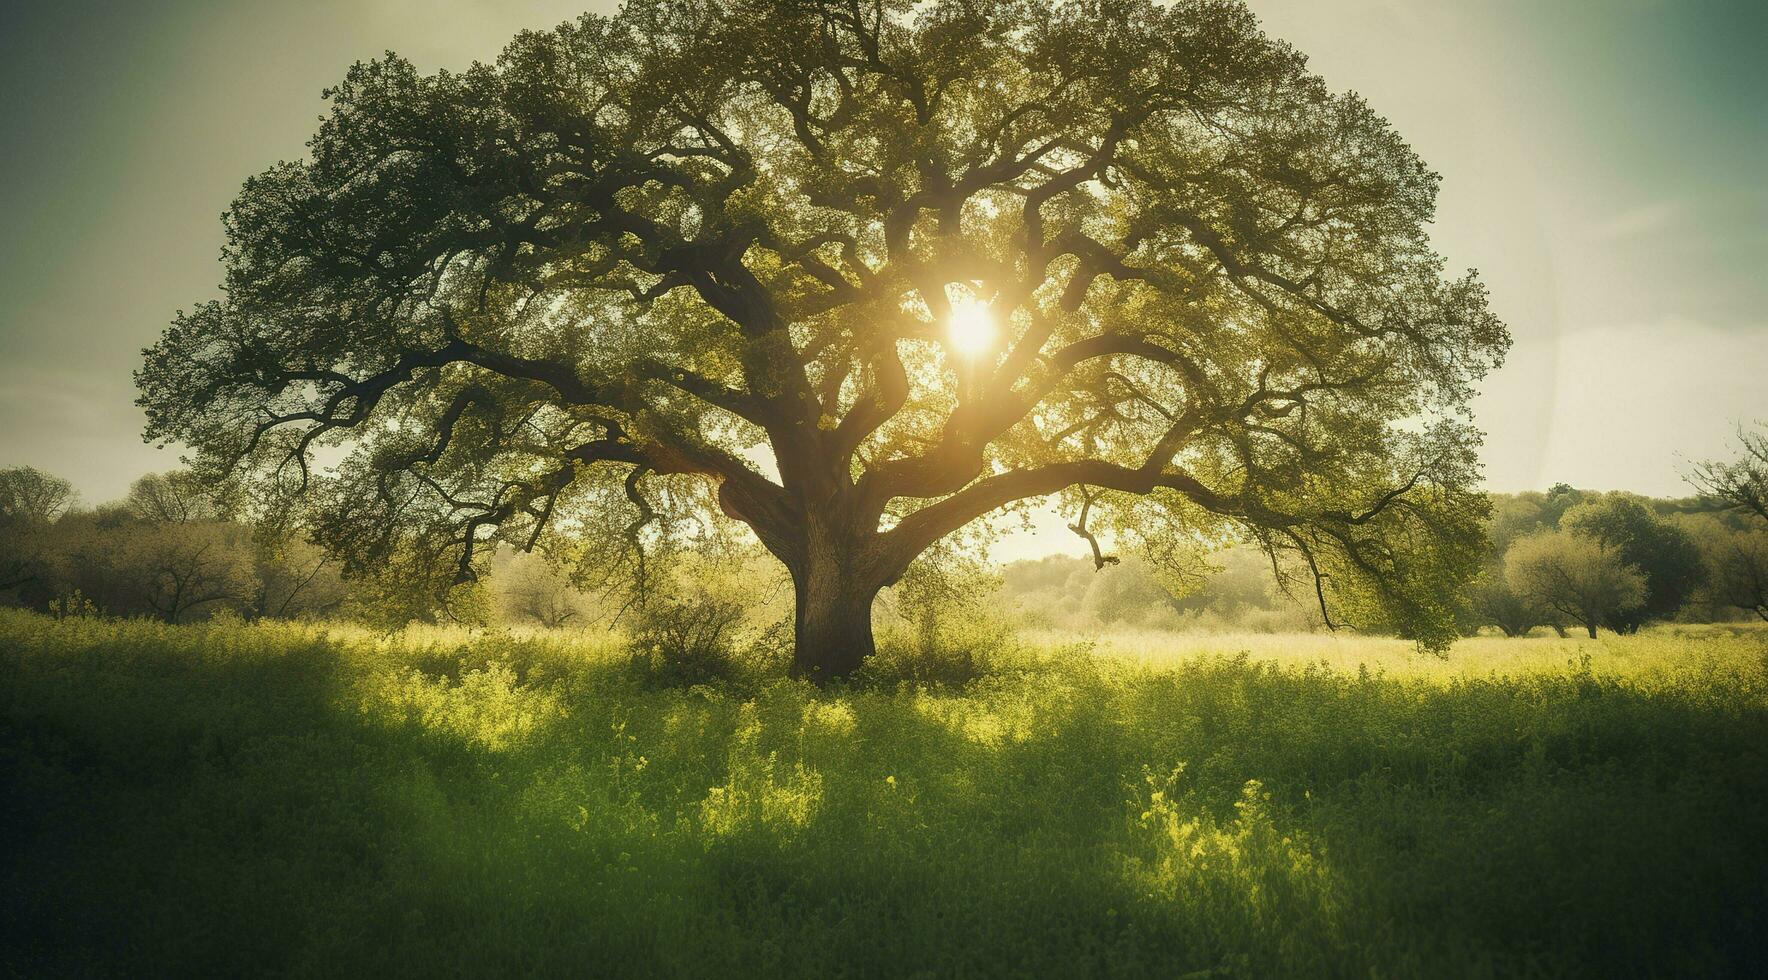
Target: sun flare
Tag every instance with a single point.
(972, 327)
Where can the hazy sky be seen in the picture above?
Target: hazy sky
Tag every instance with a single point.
(1602, 162)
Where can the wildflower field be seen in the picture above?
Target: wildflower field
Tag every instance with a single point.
(310, 800)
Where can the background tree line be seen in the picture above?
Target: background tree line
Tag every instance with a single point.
(167, 550)
(1566, 559)
(1574, 559)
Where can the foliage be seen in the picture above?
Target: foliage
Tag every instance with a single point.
(535, 590)
(30, 501)
(1663, 552)
(1741, 483)
(1235, 590)
(640, 257)
(1737, 557)
(295, 579)
(946, 623)
(1493, 600)
(687, 640)
(717, 616)
(175, 497)
(1676, 544)
(172, 572)
(1574, 576)
(1515, 515)
(222, 800)
(30, 496)
(1737, 567)
(168, 551)
(946, 610)
(398, 591)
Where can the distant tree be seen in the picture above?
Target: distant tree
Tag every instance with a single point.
(1517, 514)
(1560, 498)
(1741, 483)
(29, 496)
(534, 590)
(1128, 597)
(1574, 576)
(183, 568)
(1231, 589)
(1237, 581)
(30, 502)
(81, 559)
(1737, 563)
(172, 572)
(1046, 592)
(1490, 601)
(295, 578)
(292, 577)
(1665, 553)
(862, 273)
(176, 497)
(1035, 576)
(1493, 602)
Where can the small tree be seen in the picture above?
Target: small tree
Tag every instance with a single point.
(175, 497)
(1494, 602)
(295, 578)
(1738, 568)
(30, 502)
(1665, 553)
(184, 568)
(533, 589)
(946, 599)
(1574, 576)
(1741, 483)
(30, 496)
(287, 576)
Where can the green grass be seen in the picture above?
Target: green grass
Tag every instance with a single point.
(291, 799)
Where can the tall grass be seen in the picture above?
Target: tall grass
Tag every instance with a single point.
(326, 800)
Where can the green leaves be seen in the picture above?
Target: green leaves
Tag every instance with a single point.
(715, 242)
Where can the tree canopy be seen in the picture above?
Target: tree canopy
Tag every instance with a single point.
(30, 500)
(30, 496)
(1741, 483)
(860, 272)
(1576, 576)
(1664, 553)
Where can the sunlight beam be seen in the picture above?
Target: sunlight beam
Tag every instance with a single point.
(971, 329)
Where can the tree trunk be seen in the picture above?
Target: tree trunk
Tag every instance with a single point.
(832, 623)
(832, 628)
(1592, 628)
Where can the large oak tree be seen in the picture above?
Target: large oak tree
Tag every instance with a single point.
(864, 271)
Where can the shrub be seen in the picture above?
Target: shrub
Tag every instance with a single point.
(687, 640)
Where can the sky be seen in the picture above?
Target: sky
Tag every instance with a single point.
(1602, 165)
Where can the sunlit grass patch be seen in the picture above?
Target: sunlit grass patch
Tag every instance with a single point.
(759, 790)
(237, 798)
(485, 708)
(1655, 651)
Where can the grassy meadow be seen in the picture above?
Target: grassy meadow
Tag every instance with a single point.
(224, 799)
